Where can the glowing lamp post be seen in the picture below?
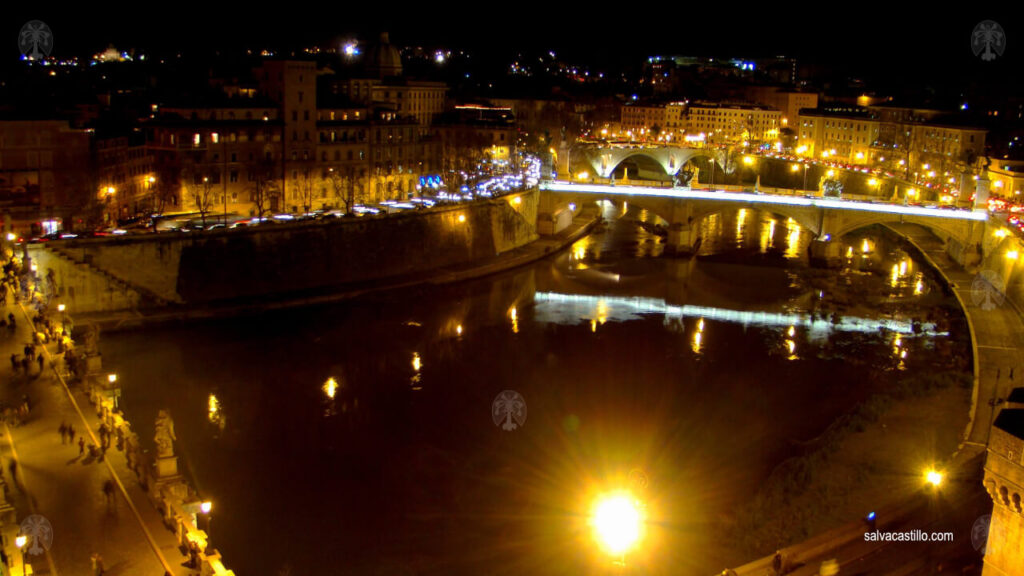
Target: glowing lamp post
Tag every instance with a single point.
(205, 508)
(20, 542)
(617, 520)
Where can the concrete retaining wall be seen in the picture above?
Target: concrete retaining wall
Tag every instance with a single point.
(296, 258)
(79, 286)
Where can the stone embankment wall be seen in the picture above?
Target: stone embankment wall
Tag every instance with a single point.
(281, 259)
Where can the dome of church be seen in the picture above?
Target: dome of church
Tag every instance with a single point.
(383, 59)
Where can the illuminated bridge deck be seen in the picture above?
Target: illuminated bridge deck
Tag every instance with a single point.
(769, 199)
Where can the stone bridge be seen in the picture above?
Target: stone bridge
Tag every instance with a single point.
(828, 219)
(603, 160)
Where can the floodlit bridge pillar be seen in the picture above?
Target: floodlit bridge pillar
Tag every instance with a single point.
(825, 248)
(826, 253)
(683, 231)
(682, 239)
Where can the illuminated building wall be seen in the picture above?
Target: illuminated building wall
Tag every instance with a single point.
(1004, 482)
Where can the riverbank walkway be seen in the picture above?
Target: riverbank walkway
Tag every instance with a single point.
(52, 480)
(997, 338)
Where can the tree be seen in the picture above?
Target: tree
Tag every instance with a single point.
(265, 189)
(201, 193)
(307, 186)
(343, 187)
(164, 187)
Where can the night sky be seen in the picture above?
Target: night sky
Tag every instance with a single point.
(884, 41)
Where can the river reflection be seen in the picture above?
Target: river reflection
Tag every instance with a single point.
(359, 438)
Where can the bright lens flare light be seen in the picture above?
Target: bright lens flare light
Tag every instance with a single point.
(933, 477)
(617, 523)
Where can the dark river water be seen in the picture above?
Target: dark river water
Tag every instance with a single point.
(360, 437)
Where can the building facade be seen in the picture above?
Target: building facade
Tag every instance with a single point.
(1004, 482)
(847, 135)
(733, 123)
(47, 177)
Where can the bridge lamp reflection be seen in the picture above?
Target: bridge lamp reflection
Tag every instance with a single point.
(330, 387)
(1011, 255)
(1002, 233)
(698, 338)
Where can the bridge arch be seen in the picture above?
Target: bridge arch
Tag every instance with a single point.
(670, 158)
(958, 230)
(808, 221)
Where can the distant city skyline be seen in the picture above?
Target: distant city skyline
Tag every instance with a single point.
(892, 40)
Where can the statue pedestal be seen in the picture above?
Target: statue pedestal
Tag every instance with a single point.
(166, 467)
(166, 482)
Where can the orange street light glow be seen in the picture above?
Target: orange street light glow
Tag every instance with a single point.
(617, 522)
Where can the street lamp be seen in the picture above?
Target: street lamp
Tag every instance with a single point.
(20, 542)
(933, 478)
(205, 508)
(617, 519)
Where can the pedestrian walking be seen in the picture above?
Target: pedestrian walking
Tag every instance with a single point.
(777, 562)
(71, 434)
(1011, 373)
(63, 432)
(39, 359)
(108, 491)
(81, 446)
(14, 363)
